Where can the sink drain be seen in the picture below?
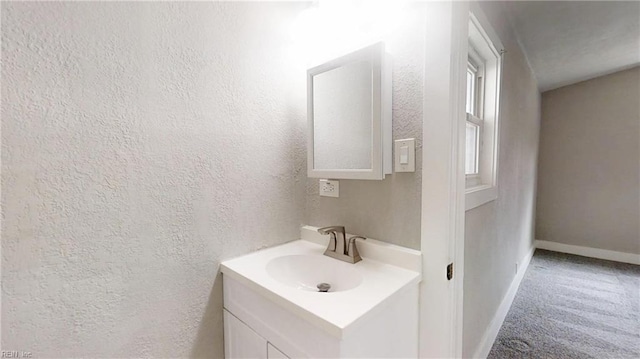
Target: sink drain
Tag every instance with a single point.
(323, 287)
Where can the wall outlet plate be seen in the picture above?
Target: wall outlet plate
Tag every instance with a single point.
(329, 188)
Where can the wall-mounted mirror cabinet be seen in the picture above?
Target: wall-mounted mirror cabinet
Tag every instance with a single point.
(349, 115)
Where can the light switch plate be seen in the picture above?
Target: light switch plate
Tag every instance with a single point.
(329, 188)
(404, 155)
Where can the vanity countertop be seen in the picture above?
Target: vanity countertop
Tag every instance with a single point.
(385, 270)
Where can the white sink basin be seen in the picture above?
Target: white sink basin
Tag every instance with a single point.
(288, 275)
(305, 272)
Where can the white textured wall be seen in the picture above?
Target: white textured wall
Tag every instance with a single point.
(589, 186)
(141, 144)
(388, 210)
(500, 233)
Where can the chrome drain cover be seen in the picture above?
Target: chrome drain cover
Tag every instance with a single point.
(323, 287)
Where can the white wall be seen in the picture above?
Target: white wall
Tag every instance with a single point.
(387, 210)
(589, 182)
(141, 144)
(500, 233)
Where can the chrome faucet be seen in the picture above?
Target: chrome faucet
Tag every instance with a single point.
(339, 247)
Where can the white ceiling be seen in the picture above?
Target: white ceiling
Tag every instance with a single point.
(572, 41)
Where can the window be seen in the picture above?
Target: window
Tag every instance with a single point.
(475, 74)
(483, 77)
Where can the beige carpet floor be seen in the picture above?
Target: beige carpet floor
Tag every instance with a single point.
(573, 307)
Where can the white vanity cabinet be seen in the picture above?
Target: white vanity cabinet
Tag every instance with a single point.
(373, 314)
(253, 322)
(240, 341)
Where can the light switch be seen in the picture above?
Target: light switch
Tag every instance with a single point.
(405, 155)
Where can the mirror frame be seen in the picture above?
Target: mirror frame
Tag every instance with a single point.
(380, 115)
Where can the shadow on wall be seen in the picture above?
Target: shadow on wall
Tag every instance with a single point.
(206, 344)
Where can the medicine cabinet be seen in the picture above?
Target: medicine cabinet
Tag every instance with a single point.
(349, 116)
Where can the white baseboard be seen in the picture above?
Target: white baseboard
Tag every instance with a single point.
(496, 323)
(589, 252)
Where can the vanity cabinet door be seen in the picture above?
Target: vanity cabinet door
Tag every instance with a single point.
(240, 341)
(274, 353)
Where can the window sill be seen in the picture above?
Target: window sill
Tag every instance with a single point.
(479, 195)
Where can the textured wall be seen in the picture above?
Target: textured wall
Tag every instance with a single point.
(500, 233)
(388, 210)
(141, 144)
(589, 184)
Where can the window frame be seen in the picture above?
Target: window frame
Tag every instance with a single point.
(474, 179)
(483, 54)
(471, 90)
(477, 63)
(475, 66)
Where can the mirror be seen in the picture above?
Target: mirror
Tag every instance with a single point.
(349, 111)
(342, 113)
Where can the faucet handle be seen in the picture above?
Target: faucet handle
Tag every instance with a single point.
(353, 239)
(333, 231)
(353, 250)
(327, 230)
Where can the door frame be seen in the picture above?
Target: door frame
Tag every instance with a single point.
(443, 179)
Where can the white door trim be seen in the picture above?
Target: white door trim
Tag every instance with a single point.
(443, 180)
(459, 55)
